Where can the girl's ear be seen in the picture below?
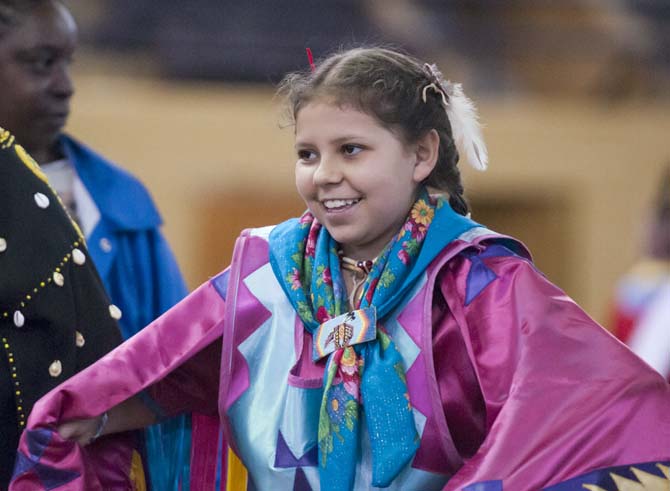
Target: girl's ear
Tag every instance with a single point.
(426, 152)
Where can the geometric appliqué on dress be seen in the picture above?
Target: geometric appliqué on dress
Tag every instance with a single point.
(220, 283)
(284, 457)
(38, 441)
(485, 486)
(480, 275)
(648, 476)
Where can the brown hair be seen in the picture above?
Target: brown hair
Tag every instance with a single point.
(388, 85)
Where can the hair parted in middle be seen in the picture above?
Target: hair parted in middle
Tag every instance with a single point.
(388, 85)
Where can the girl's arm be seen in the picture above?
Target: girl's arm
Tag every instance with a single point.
(131, 414)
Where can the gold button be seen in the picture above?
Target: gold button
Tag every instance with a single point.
(115, 312)
(3, 244)
(78, 256)
(79, 339)
(42, 200)
(56, 368)
(59, 279)
(19, 320)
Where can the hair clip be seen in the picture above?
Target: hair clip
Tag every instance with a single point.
(437, 90)
(310, 59)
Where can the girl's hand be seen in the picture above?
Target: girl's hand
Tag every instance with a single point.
(131, 414)
(83, 431)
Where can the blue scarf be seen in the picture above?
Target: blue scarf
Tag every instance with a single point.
(304, 258)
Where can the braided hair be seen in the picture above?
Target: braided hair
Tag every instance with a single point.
(388, 85)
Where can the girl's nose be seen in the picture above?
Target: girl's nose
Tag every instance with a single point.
(327, 172)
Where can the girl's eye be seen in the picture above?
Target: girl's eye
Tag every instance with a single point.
(351, 149)
(306, 154)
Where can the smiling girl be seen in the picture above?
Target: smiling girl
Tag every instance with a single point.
(383, 339)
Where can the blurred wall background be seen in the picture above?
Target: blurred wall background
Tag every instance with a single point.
(574, 97)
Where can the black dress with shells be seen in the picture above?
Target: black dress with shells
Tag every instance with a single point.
(55, 317)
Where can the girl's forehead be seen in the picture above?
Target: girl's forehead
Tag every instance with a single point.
(320, 116)
(320, 113)
(320, 108)
(330, 123)
(326, 101)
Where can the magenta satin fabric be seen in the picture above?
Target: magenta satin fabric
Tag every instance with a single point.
(555, 395)
(161, 347)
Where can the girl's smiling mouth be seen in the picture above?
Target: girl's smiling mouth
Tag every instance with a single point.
(339, 204)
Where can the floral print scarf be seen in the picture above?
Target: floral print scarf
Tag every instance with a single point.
(370, 375)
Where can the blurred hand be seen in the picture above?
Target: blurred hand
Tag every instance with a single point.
(80, 430)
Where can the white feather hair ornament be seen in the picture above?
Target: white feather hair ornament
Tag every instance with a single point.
(462, 114)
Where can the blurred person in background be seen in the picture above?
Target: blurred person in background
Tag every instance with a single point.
(116, 214)
(641, 316)
(55, 316)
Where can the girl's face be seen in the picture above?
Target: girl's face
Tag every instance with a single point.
(356, 177)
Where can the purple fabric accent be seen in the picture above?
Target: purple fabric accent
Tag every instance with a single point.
(49, 477)
(510, 245)
(496, 250)
(286, 459)
(38, 441)
(220, 283)
(53, 478)
(603, 479)
(301, 483)
(485, 486)
(22, 464)
(479, 277)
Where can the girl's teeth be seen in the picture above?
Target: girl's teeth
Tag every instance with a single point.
(339, 203)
